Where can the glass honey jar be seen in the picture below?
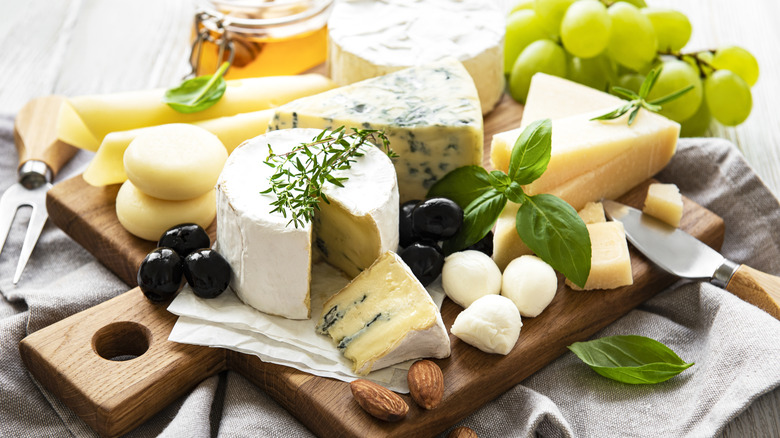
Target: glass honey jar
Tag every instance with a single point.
(259, 38)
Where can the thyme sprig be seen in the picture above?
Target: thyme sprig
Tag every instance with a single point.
(299, 176)
(638, 101)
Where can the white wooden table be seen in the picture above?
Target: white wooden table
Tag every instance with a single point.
(75, 47)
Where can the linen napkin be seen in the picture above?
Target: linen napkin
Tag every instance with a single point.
(735, 345)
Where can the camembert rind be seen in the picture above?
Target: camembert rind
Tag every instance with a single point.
(383, 317)
(368, 38)
(429, 113)
(271, 260)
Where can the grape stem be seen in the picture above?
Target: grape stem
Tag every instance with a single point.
(700, 63)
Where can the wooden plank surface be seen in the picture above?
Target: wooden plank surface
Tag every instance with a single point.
(75, 47)
(114, 397)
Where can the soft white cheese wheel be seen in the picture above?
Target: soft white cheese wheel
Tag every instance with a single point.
(148, 217)
(530, 283)
(175, 162)
(368, 38)
(469, 275)
(492, 324)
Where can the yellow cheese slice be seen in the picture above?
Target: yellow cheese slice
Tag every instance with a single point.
(556, 98)
(610, 264)
(107, 168)
(592, 213)
(84, 121)
(664, 202)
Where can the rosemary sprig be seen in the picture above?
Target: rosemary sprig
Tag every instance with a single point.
(639, 100)
(301, 173)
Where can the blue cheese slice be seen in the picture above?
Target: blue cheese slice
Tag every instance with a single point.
(271, 259)
(430, 114)
(383, 317)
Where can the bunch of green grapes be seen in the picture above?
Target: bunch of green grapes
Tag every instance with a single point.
(602, 43)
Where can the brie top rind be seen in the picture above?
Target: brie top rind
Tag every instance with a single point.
(368, 38)
(430, 114)
(383, 317)
(271, 258)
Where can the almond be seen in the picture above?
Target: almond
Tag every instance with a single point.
(426, 383)
(379, 401)
(462, 432)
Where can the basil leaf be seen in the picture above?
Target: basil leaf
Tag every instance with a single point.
(478, 218)
(515, 193)
(197, 94)
(555, 232)
(630, 359)
(531, 152)
(463, 185)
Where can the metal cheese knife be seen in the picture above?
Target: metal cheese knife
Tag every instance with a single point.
(681, 254)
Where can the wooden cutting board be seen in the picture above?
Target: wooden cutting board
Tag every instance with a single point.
(73, 358)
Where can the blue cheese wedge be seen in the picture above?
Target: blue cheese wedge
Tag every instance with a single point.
(430, 114)
(369, 38)
(383, 317)
(271, 259)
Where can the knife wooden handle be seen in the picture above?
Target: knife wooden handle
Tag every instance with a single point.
(757, 288)
(35, 133)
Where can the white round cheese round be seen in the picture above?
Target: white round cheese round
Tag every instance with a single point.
(469, 275)
(492, 324)
(369, 38)
(530, 283)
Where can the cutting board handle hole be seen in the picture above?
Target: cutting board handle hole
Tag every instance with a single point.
(121, 341)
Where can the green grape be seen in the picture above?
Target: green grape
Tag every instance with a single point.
(738, 60)
(522, 28)
(585, 28)
(522, 4)
(550, 13)
(540, 56)
(598, 72)
(672, 28)
(632, 41)
(675, 76)
(698, 124)
(632, 81)
(728, 97)
(638, 3)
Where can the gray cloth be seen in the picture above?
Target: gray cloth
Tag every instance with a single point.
(735, 346)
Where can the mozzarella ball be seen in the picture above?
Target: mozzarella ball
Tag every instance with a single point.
(175, 162)
(530, 283)
(492, 324)
(469, 275)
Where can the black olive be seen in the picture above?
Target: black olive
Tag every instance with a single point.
(437, 218)
(485, 245)
(185, 238)
(159, 276)
(406, 234)
(425, 261)
(207, 272)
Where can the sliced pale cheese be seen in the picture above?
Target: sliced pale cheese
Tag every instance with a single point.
(84, 121)
(270, 257)
(107, 167)
(551, 97)
(383, 317)
(430, 114)
(507, 245)
(175, 162)
(369, 38)
(610, 265)
(664, 202)
(592, 213)
(148, 218)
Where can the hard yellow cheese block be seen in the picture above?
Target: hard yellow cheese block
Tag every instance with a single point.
(84, 121)
(665, 203)
(610, 264)
(553, 97)
(592, 213)
(107, 168)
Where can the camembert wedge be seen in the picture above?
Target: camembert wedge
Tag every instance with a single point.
(383, 317)
(430, 114)
(271, 259)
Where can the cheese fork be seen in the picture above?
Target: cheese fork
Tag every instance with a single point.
(41, 155)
